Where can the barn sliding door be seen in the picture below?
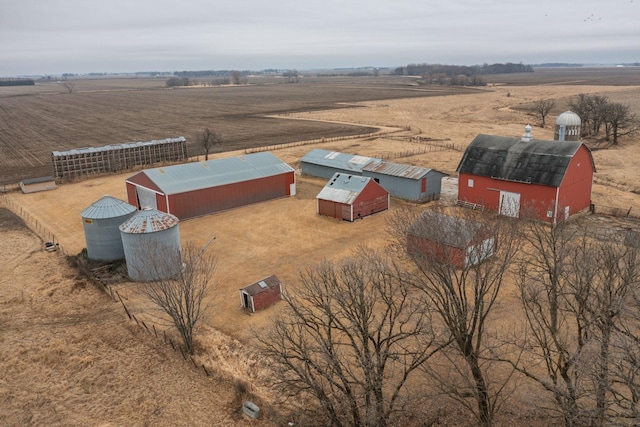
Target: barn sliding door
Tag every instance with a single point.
(509, 204)
(146, 198)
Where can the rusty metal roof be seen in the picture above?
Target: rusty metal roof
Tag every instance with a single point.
(395, 169)
(149, 221)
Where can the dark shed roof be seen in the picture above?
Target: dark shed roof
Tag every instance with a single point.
(261, 285)
(441, 228)
(512, 159)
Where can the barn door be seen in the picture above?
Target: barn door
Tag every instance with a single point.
(146, 198)
(509, 204)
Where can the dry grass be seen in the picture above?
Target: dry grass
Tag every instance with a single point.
(71, 356)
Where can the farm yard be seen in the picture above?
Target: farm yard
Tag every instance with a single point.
(71, 354)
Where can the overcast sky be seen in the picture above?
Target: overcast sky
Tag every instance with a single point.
(81, 36)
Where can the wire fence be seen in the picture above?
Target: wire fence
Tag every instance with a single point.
(162, 334)
(319, 141)
(33, 224)
(617, 212)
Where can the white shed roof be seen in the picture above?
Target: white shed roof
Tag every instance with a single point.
(343, 188)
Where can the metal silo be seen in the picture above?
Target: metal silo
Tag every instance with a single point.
(101, 221)
(568, 127)
(151, 241)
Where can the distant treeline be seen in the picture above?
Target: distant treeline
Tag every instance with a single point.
(16, 82)
(209, 73)
(462, 70)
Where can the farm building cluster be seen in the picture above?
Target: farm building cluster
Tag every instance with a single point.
(513, 176)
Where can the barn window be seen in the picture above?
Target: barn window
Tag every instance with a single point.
(470, 183)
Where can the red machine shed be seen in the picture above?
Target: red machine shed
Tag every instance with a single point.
(261, 294)
(350, 197)
(200, 188)
(448, 239)
(548, 180)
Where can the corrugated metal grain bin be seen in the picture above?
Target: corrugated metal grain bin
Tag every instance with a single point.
(151, 241)
(101, 223)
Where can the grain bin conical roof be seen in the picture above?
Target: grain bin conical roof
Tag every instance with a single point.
(108, 207)
(149, 221)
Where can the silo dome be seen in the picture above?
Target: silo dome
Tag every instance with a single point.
(151, 241)
(568, 127)
(569, 118)
(101, 221)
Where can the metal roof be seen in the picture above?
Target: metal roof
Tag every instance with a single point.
(357, 164)
(107, 207)
(395, 169)
(568, 118)
(212, 173)
(149, 221)
(336, 159)
(116, 146)
(512, 159)
(261, 285)
(343, 188)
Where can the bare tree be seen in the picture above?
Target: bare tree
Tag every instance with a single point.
(462, 295)
(574, 288)
(235, 77)
(543, 107)
(291, 76)
(351, 337)
(69, 86)
(619, 121)
(209, 139)
(183, 296)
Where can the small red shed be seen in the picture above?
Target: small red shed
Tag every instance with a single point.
(261, 294)
(448, 239)
(548, 180)
(350, 197)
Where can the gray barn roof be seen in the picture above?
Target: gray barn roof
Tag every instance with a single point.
(357, 164)
(512, 159)
(343, 188)
(198, 175)
(336, 160)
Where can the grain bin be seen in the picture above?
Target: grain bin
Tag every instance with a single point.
(101, 221)
(151, 241)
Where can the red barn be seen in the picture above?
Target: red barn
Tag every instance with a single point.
(261, 294)
(549, 180)
(200, 188)
(350, 197)
(448, 239)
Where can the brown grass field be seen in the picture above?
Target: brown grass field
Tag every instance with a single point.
(70, 356)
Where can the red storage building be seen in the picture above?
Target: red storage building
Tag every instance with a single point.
(261, 294)
(460, 242)
(350, 197)
(547, 180)
(200, 188)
